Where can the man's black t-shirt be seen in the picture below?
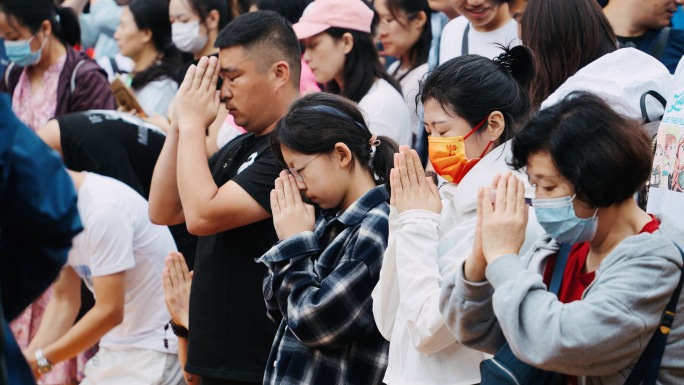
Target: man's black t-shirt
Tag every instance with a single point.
(120, 146)
(230, 334)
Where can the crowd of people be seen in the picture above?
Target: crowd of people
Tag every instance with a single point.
(447, 192)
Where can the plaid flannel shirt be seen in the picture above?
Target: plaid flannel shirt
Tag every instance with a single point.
(319, 287)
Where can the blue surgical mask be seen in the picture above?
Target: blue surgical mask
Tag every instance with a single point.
(557, 217)
(19, 52)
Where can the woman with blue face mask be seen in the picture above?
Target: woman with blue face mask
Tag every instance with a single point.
(622, 267)
(46, 76)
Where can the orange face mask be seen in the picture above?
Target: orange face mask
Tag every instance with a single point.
(448, 156)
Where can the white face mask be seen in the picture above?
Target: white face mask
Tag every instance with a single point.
(187, 38)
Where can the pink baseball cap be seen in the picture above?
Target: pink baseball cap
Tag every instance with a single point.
(323, 14)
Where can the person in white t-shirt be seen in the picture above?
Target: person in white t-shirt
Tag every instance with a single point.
(119, 256)
(483, 26)
(340, 51)
(405, 33)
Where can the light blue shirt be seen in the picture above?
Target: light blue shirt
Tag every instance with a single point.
(98, 27)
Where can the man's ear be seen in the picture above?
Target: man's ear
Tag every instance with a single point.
(280, 71)
(496, 126)
(343, 155)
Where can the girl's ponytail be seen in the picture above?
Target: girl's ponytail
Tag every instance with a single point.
(67, 30)
(382, 159)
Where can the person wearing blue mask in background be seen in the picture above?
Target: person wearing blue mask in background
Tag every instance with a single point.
(46, 76)
(623, 264)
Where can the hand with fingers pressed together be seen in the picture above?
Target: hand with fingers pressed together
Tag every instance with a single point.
(197, 101)
(503, 223)
(291, 215)
(410, 188)
(476, 264)
(177, 281)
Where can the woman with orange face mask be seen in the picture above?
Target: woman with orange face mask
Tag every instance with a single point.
(472, 104)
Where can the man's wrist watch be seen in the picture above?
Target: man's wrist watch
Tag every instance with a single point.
(44, 365)
(178, 330)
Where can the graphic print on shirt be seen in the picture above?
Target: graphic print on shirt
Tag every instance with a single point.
(668, 162)
(667, 173)
(247, 163)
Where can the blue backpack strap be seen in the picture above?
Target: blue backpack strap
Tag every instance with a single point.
(646, 369)
(559, 269)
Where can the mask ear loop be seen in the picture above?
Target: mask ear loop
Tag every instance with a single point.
(473, 131)
(595, 211)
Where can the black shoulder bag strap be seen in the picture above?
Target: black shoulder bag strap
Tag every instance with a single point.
(464, 43)
(660, 43)
(642, 104)
(646, 369)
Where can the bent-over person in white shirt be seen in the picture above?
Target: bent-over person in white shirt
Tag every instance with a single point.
(119, 255)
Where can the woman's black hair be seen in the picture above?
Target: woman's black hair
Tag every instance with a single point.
(605, 156)
(472, 87)
(154, 15)
(316, 122)
(418, 54)
(32, 13)
(361, 66)
(203, 7)
(290, 9)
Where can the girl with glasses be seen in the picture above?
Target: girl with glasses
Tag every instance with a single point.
(323, 270)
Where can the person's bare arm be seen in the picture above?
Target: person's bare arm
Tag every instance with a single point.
(107, 313)
(190, 379)
(208, 209)
(77, 5)
(177, 283)
(61, 311)
(50, 134)
(165, 206)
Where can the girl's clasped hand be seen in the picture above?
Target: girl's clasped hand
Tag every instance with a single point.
(291, 215)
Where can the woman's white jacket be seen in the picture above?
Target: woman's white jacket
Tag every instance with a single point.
(423, 247)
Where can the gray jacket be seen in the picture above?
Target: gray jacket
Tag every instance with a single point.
(598, 338)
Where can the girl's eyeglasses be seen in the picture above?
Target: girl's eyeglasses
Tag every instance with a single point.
(297, 173)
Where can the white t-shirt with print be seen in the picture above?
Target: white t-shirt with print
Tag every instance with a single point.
(118, 236)
(386, 113)
(479, 43)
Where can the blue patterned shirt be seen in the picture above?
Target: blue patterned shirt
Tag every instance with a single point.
(319, 287)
